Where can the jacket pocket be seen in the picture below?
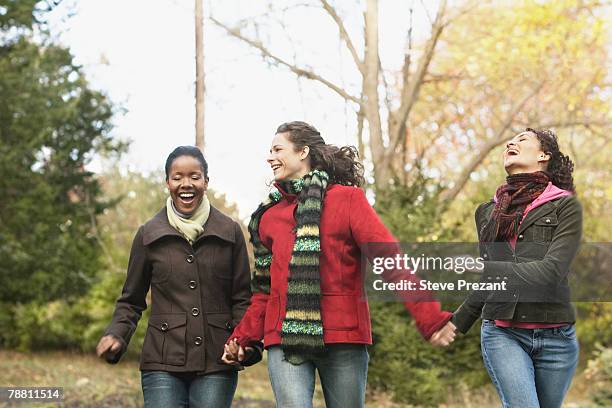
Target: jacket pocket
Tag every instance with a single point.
(544, 228)
(165, 339)
(220, 327)
(339, 312)
(272, 314)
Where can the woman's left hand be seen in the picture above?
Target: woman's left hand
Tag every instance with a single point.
(234, 353)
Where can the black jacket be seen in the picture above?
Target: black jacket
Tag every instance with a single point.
(535, 271)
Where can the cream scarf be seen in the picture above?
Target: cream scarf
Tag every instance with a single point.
(191, 228)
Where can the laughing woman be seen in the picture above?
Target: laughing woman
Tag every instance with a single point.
(195, 261)
(309, 304)
(529, 234)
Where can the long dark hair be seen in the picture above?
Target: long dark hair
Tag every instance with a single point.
(560, 166)
(341, 163)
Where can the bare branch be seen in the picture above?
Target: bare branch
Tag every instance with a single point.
(98, 237)
(344, 35)
(489, 145)
(360, 144)
(426, 12)
(408, 52)
(386, 84)
(431, 78)
(235, 32)
(411, 88)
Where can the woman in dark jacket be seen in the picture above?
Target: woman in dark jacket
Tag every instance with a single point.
(194, 260)
(309, 304)
(529, 234)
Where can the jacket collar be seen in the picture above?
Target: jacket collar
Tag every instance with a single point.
(534, 210)
(292, 197)
(287, 196)
(538, 212)
(217, 225)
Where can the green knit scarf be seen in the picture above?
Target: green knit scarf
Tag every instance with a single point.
(302, 328)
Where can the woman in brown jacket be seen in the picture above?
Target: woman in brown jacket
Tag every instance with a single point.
(194, 260)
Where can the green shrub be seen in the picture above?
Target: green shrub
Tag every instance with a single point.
(43, 326)
(412, 370)
(599, 375)
(100, 305)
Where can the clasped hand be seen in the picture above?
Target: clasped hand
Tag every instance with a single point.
(235, 354)
(444, 336)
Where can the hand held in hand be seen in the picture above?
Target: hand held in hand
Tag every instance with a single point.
(444, 336)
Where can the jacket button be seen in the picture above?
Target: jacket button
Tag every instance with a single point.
(189, 258)
(485, 256)
(195, 311)
(548, 220)
(197, 341)
(229, 325)
(520, 236)
(192, 284)
(164, 326)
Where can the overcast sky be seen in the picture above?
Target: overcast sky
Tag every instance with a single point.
(141, 53)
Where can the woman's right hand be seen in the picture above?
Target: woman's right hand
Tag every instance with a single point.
(108, 346)
(444, 336)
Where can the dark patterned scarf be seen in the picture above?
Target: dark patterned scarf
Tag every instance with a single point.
(302, 328)
(512, 199)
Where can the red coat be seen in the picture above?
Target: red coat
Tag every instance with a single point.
(347, 223)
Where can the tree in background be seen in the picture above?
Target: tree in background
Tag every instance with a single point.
(486, 69)
(432, 131)
(51, 125)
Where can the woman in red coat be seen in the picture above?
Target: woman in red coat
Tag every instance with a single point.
(308, 304)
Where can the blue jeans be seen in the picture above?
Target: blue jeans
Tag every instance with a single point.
(163, 389)
(343, 371)
(530, 368)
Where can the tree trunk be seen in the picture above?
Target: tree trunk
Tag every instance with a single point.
(370, 94)
(199, 40)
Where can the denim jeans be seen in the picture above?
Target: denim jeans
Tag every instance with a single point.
(163, 389)
(343, 371)
(530, 368)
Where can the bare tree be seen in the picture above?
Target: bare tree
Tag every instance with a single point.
(388, 142)
(384, 140)
(200, 87)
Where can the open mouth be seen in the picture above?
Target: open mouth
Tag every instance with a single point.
(187, 198)
(275, 167)
(512, 152)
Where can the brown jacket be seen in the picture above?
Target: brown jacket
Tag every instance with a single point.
(198, 294)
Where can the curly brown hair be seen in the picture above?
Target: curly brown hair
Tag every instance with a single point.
(341, 163)
(560, 166)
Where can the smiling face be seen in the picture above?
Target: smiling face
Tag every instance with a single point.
(285, 161)
(523, 154)
(187, 183)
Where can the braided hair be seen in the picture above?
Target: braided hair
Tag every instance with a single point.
(560, 166)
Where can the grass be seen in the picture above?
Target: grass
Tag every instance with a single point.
(89, 382)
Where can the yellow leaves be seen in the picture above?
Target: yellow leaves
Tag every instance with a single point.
(512, 42)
